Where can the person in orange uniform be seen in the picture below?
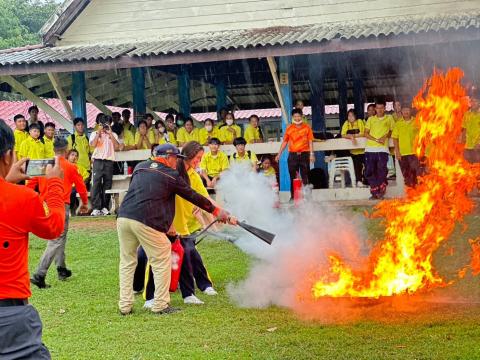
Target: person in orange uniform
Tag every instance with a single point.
(56, 248)
(299, 138)
(20, 324)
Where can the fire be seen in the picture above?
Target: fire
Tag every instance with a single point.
(416, 225)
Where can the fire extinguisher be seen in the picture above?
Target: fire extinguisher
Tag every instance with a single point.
(177, 260)
(297, 190)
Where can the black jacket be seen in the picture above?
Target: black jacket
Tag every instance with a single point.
(151, 196)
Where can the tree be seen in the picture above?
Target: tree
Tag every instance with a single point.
(21, 20)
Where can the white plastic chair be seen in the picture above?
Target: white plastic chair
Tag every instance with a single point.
(340, 166)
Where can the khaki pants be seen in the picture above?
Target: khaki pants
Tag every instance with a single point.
(158, 248)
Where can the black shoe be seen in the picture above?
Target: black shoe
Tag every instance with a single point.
(168, 310)
(63, 273)
(39, 281)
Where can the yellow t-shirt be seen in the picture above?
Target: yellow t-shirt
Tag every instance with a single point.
(270, 172)
(184, 221)
(204, 136)
(49, 153)
(471, 123)
(168, 138)
(356, 125)
(227, 136)
(83, 147)
(405, 132)
(378, 128)
(33, 149)
(144, 146)
(20, 137)
(235, 158)
(128, 138)
(252, 134)
(183, 136)
(214, 165)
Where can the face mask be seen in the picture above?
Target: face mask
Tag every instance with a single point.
(229, 122)
(208, 128)
(298, 122)
(161, 129)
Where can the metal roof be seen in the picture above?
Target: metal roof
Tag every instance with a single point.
(238, 39)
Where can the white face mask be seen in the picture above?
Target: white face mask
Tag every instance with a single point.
(161, 129)
(229, 122)
(208, 128)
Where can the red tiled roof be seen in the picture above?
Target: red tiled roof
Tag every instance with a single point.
(8, 109)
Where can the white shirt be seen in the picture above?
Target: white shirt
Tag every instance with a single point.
(105, 150)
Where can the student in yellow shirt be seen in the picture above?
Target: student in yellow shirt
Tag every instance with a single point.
(72, 156)
(471, 132)
(79, 141)
(253, 132)
(125, 137)
(142, 139)
(171, 129)
(48, 139)
(193, 270)
(32, 147)
(150, 129)
(352, 129)
(299, 105)
(213, 163)
(403, 135)
(378, 130)
(20, 133)
(208, 132)
(222, 115)
(187, 133)
(127, 125)
(229, 131)
(397, 110)
(242, 156)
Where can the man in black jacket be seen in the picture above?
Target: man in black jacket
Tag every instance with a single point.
(145, 217)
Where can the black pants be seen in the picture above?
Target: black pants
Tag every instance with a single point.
(358, 165)
(102, 174)
(193, 271)
(298, 162)
(376, 172)
(139, 276)
(21, 334)
(410, 167)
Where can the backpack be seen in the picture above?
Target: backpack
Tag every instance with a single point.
(249, 155)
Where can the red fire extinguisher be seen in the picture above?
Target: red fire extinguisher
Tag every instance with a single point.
(297, 190)
(177, 260)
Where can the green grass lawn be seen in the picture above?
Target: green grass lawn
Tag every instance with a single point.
(81, 320)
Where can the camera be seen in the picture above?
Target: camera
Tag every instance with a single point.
(38, 167)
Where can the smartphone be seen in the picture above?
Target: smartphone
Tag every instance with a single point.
(38, 167)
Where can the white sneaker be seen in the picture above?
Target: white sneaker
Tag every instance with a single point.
(210, 291)
(192, 299)
(148, 304)
(360, 184)
(105, 212)
(96, 213)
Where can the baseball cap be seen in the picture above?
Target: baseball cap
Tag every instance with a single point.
(167, 149)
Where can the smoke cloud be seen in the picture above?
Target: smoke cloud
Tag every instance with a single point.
(304, 237)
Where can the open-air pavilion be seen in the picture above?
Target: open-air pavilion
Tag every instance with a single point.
(203, 55)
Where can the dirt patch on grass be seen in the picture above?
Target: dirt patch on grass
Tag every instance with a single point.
(96, 224)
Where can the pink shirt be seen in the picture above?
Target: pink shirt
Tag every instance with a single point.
(105, 150)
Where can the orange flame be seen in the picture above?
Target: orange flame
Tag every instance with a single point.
(417, 224)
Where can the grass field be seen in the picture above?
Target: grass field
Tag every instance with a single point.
(81, 321)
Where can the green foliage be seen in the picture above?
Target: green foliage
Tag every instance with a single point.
(21, 20)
